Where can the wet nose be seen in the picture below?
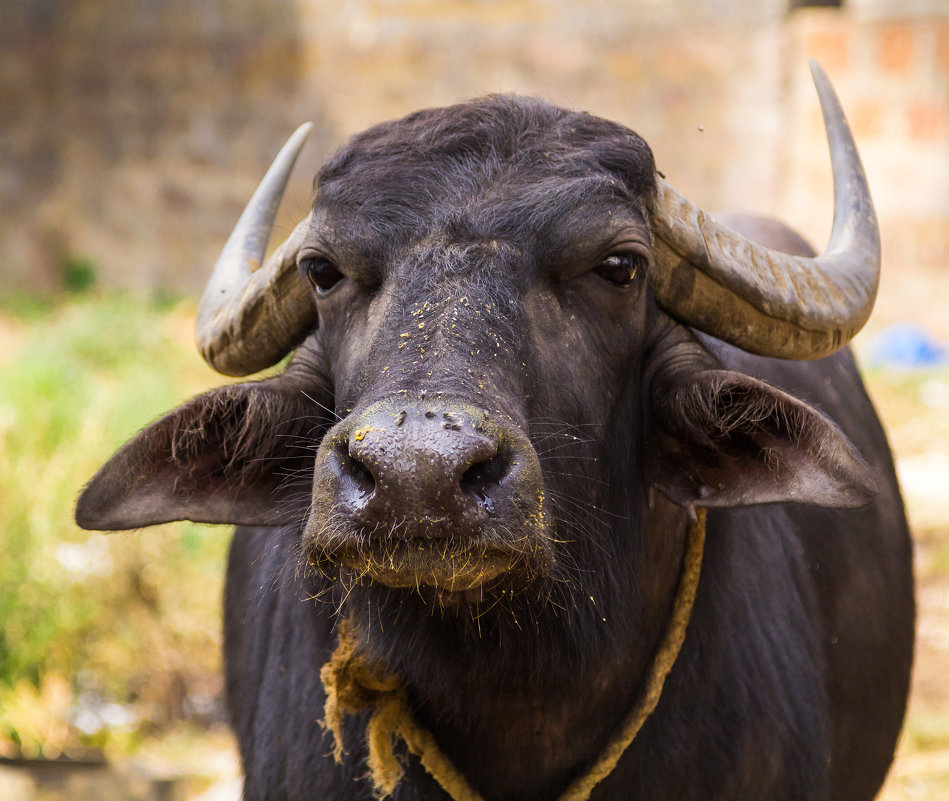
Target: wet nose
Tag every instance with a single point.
(436, 467)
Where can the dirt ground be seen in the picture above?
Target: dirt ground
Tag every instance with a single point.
(915, 408)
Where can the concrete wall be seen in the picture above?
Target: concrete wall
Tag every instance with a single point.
(132, 133)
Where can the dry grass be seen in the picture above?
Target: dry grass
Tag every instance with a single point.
(915, 408)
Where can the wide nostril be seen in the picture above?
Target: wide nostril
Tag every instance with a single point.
(482, 477)
(357, 470)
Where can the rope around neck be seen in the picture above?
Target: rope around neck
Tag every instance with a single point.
(353, 684)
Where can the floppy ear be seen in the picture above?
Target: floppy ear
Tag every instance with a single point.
(239, 454)
(720, 438)
(726, 439)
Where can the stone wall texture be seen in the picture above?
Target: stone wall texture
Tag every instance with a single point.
(131, 133)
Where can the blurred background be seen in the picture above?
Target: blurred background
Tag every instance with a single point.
(132, 134)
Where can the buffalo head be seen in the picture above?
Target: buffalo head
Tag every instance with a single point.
(491, 307)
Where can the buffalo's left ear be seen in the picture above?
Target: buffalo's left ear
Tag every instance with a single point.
(240, 454)
(722, 439)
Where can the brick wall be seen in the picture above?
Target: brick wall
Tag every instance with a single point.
(892, 73)
(132, 133)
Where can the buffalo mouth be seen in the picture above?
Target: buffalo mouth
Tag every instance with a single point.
(441, 564)
(465, 566)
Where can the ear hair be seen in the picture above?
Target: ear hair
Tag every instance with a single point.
(232, 455)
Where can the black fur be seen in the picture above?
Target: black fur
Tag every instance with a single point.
(470, 239)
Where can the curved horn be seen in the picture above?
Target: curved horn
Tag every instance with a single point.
(251, 316)
(759, 299)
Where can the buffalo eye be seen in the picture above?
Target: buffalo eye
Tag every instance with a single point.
(321, 273)
(620, 268)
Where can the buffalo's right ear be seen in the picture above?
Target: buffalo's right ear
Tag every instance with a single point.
(239, 454)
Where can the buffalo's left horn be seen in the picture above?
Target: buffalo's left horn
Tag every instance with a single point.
(762, 300)
(250, 315)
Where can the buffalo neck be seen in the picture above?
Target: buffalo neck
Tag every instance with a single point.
(530, 702)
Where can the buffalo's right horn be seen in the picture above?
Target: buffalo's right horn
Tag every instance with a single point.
(250, 315)
(762, 300)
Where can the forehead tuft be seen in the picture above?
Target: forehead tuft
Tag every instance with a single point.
(435, 161)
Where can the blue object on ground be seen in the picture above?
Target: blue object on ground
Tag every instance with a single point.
(905, 345)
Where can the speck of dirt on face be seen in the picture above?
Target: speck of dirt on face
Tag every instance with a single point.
(360, 433)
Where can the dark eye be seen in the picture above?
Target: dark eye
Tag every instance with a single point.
(321, 273)
(621, 268)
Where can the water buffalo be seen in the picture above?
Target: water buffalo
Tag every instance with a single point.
(527, 378)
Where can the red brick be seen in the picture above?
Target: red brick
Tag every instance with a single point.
(928, 122)
(895, 48)
(831, 47)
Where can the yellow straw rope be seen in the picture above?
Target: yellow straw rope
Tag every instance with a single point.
(352, 684)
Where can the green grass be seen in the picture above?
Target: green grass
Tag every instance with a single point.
(89, 619)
